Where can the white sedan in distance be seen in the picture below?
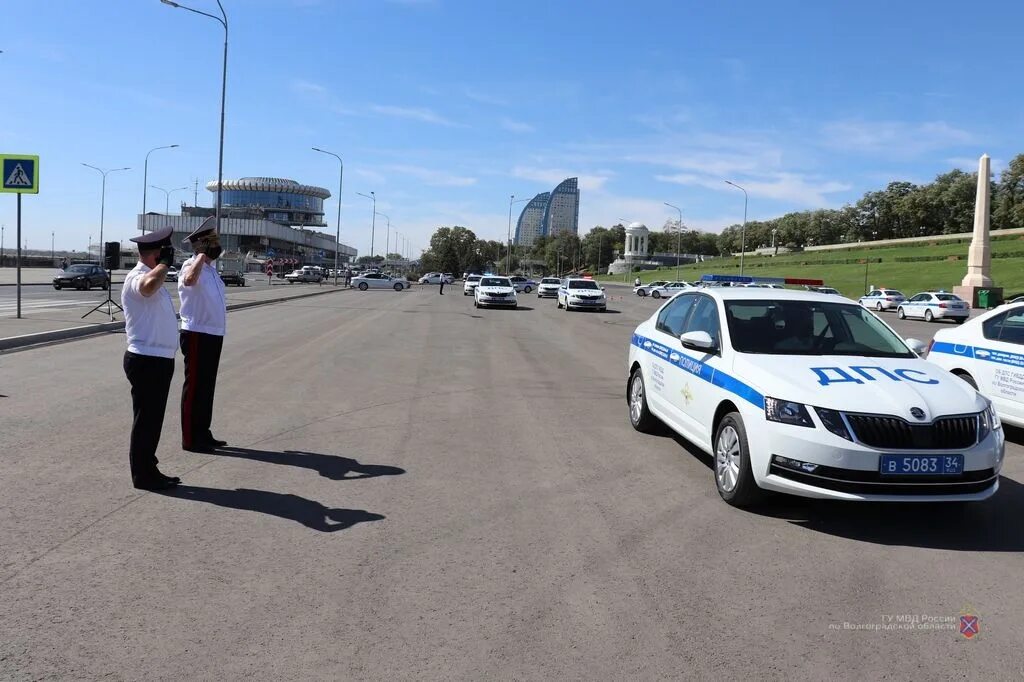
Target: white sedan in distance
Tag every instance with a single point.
(376, 280)
(670, 289)
(470, 284)
(495, 291)
(935, 305)
(645, 289)
(988, 353)
(882, 299)
(809, 395)
(548, 287)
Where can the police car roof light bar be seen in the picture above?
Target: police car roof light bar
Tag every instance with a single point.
(747, 279)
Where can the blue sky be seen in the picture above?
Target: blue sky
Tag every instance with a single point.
(446, 107)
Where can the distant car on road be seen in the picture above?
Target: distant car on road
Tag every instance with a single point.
(82, 276)
(548, 287)
(471, 283)
(581, 294)
(436, 277)
(645, 289)
(882, 299)
(172, 274)
(306, 273)
(495, 291)
(669, 290)
(376, 280)
(935, 305)
(523, 284)
(825, 290)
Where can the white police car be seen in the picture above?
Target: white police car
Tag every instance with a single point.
(882, 299)
(988, 353)
(470, 284)
(548, 287)
(934, 305)
(668, 290)
(581, 293)
(645, 289)
(810, 395)
(494, 291)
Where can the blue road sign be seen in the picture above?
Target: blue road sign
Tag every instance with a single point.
(271, 253)
(19, 173)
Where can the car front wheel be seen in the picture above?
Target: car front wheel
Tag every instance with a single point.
(900, 313)
(967, 378)
(641, 293)
(57, 287)
(639, 414)
(733, 476)
(528, 288)
(878, 306)
(927, 316)
(363, 286)
(398, 286)
(656, 294)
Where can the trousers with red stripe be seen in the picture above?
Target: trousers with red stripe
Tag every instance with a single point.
(202, 359)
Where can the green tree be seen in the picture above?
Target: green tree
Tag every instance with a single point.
(1008, 202)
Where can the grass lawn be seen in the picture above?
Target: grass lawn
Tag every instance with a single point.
(848, 277)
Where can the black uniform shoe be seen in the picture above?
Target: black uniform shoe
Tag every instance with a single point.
(202, 448)
(173, 480)
(154, 482)
(213, 442)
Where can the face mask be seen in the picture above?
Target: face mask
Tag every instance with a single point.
(212, 252)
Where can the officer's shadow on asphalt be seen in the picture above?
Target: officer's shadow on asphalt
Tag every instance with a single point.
(309, 513)
(329, 466)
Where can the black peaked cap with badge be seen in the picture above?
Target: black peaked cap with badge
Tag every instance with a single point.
(155, 240)
(205, 229)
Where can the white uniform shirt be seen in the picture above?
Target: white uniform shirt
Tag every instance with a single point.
(150, 323)
(203, 305)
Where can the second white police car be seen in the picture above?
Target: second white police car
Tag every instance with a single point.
(794, 392)
(495, 291)
(581, 294)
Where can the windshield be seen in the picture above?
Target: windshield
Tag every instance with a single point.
(810, 328)
(947, 297)
(891, 292)
(550, 280)
(583, 284)
(495, 282)
(78, 268)
(473, 278)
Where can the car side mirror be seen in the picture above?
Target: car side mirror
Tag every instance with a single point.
(918, 346)
(698, 341)
(602, 288)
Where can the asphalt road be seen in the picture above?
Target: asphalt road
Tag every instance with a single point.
(424, 490)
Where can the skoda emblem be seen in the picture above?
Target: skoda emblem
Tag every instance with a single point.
(917, 412)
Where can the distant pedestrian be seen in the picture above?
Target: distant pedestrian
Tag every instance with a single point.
(441, 291)
(348, 277)
(151, 328)
(636, 282)
(64, 263)
(203, 325)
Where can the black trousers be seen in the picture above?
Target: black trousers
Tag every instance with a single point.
(442, 286)
(150, 378)
(202, 358)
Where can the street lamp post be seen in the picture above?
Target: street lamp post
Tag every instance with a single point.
(679, 235)
(51, 247)
(103, 199)
(387, 238)
(743, 230)
(223, 20)
(2, 228)
(337, 234)
(145, 180)
(373, 218)
(167, 197)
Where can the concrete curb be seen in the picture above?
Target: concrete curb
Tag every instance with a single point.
(26, 284)
(14, 343)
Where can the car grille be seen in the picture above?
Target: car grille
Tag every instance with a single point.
(947, 433)
(588, 298)
(497, 295)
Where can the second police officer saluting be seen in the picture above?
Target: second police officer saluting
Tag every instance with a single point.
(203, 325)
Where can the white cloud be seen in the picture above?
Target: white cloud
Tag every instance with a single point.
(893, 138)
(421, 114)
(970, 165)
(791, 187)
(433, 177)
(308, 87)
(553, 176)
(516, 126)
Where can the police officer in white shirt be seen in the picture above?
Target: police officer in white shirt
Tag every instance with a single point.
(203, 324)
(151, 328)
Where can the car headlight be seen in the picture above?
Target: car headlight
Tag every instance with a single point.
(988, 421)
(787, 412)
(833, 421)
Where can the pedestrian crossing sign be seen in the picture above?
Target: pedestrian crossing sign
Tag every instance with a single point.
(19, 173)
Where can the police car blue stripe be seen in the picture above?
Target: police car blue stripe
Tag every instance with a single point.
(715, 377)
(1000, 357)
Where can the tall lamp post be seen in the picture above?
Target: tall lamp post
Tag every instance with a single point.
(337, 234)
(743, 230)
(51, 246)
(145, 181)
(387, 237)
(103, 198)
(679, 235)
(167, 197)
(508, 254)
(223, 21)
(373, 218)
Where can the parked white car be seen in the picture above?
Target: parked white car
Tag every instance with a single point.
(988, 353)
(645, 289)
(435, 278)
(670, 289)
(494, 291)
(935, 305)
(471, 283)
(799, 393)
(882, 299)
(376, 280)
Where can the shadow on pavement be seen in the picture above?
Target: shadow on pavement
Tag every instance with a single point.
(309, 513)
(329, 466)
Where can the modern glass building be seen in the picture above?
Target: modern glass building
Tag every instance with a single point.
(528, 225)
(281, 200)
(563, 210)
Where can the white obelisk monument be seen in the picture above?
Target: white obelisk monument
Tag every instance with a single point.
(979, 256)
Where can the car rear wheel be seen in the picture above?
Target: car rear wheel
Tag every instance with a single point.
(639, 414)
(900, 313)
(641, 293)
(878, 306)
(733, 476)
(57, 287)
(655, 294)
(398, 286)
(927, 316)
(961, 320)
(967, 378)
(528, 288)
(363, 286)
